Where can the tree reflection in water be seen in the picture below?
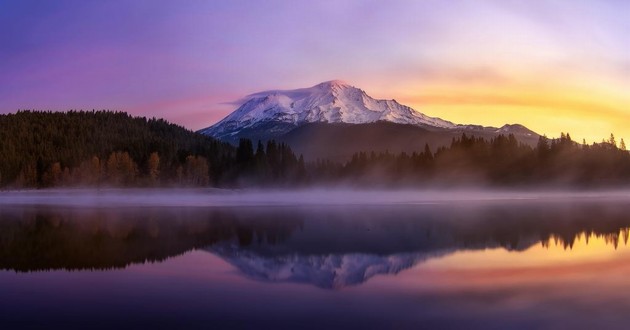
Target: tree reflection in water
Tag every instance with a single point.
(327, 247)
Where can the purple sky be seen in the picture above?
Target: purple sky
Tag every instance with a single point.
(187, 60)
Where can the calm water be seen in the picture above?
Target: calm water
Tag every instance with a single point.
(489, 263)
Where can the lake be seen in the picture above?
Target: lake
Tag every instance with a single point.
(304, 260)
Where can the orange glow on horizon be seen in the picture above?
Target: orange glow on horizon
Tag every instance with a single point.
(546, 107)
(593, 265)
(553, 254)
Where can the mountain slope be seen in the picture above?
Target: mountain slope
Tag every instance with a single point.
(339, 141)
(333, 120)
(329, 102)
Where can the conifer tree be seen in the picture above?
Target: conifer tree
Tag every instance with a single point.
(612, 140)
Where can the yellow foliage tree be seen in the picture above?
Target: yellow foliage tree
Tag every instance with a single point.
(154, 167)
(197, 171)
(121, 169)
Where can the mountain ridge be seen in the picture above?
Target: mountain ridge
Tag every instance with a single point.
(333, 101)
(333, 120)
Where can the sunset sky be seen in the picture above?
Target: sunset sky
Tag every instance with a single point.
(550, 65)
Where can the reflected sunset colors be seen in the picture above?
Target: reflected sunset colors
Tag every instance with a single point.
(520, 264)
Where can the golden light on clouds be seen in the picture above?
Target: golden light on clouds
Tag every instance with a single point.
(586, 113)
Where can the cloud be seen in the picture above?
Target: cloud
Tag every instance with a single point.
(557, 102)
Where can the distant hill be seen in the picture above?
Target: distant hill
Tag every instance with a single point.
(338, 142)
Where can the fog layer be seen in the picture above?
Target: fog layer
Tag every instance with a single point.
(219, 197)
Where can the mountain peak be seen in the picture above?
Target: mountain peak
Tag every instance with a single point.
(516, 129)
(333, 101)
(333, 83)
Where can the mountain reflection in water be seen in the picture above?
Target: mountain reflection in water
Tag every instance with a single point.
(331, 247)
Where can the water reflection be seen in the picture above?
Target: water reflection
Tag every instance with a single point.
(48, 238)
(330, 247)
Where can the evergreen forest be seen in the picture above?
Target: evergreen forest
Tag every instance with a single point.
(113, 149)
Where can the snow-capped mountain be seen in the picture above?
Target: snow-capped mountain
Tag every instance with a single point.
(341, 269)
(329, 102)
(334, 120)
(331, 271)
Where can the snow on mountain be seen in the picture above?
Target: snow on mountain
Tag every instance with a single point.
(331, 271)
(329, 102)
(338, 270)
(515, 129)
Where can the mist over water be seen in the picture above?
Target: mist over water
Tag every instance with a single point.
(297, 197)
(314, 258)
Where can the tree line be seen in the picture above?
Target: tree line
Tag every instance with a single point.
(104, 148)
(500, 161)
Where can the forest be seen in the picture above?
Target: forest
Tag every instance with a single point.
(499, 162)
(113, 149)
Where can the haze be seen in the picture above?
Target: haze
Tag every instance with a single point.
(303, 197)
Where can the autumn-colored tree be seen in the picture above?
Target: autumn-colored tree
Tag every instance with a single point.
(52, 176)
(89, 172)
(196, 171)
(121, 169)
(153, 167)
(27, 178)
(71, 138)
(96, 169)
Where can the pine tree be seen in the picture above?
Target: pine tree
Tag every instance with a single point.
(612, 140)
(245, 161)
(261, 163)
(543, 147)
(427, 151)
